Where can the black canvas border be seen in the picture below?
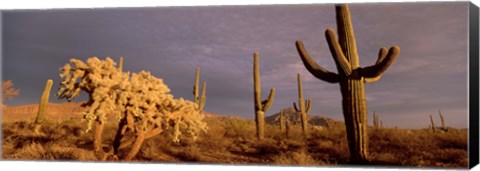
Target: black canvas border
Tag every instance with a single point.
(473, 86)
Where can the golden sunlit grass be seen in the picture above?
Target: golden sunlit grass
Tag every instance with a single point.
(233, 141)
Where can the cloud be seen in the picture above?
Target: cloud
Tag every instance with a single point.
(171, 42)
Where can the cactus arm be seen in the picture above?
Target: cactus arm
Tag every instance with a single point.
(443, 121)
(337, 53)
(130, 121)
(377, 69)
(153, 132)
(268, 102)
(307, 105)
(120, 64)
(381, 56)
(433, 123)
(313, 67)
(195, 87)
(372, 80)
(203, 98)
(382, 53)
(295, 107)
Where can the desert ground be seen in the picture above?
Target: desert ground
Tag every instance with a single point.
(231, 140)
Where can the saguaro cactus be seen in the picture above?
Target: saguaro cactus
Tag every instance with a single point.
(260, 106)
(287, 127)
(281, 121)
(444, 128)
(351, 78)
(42, 106)
(304, 108)
(433, 123)
(376, 124)
(200, 101)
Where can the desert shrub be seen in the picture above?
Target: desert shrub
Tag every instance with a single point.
(237, 127)
(214, 140)
(33, 151)
(52, 151)
(58, 152)
(301, 158)
(8, 91)
(451, 139)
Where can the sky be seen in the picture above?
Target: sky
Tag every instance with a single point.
(170, 42)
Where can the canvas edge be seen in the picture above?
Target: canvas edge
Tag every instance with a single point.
(473, 86)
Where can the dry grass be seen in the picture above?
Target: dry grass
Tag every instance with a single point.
(232, 141)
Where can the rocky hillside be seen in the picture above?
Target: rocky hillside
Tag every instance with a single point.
(294, 117)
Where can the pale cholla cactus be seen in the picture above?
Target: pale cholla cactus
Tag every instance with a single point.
(100, 79)
(185, 118)
(141, 102)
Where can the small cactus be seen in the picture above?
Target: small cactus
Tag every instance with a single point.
(42, 106)
(304, 108)
(376, 123)
(260, 106)
(444, 128)
(281, 121)
(287, 128)
(433, 123)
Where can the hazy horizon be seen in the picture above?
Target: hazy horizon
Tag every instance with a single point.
(429, 75)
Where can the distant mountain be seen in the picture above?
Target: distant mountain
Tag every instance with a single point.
(63, 111)
(54, 110)
(294, 116)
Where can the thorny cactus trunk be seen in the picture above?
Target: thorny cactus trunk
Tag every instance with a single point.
(351, 78)
(126, 123)
(42, 106)
(303, 108)
(97, 140)
(260, 106)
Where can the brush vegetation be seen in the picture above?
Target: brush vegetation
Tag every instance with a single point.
(232, 140)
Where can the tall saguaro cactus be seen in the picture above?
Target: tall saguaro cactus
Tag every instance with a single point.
(351, 78)
(303, 108)
(199, 100)
(42, 106)
(260, 106)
